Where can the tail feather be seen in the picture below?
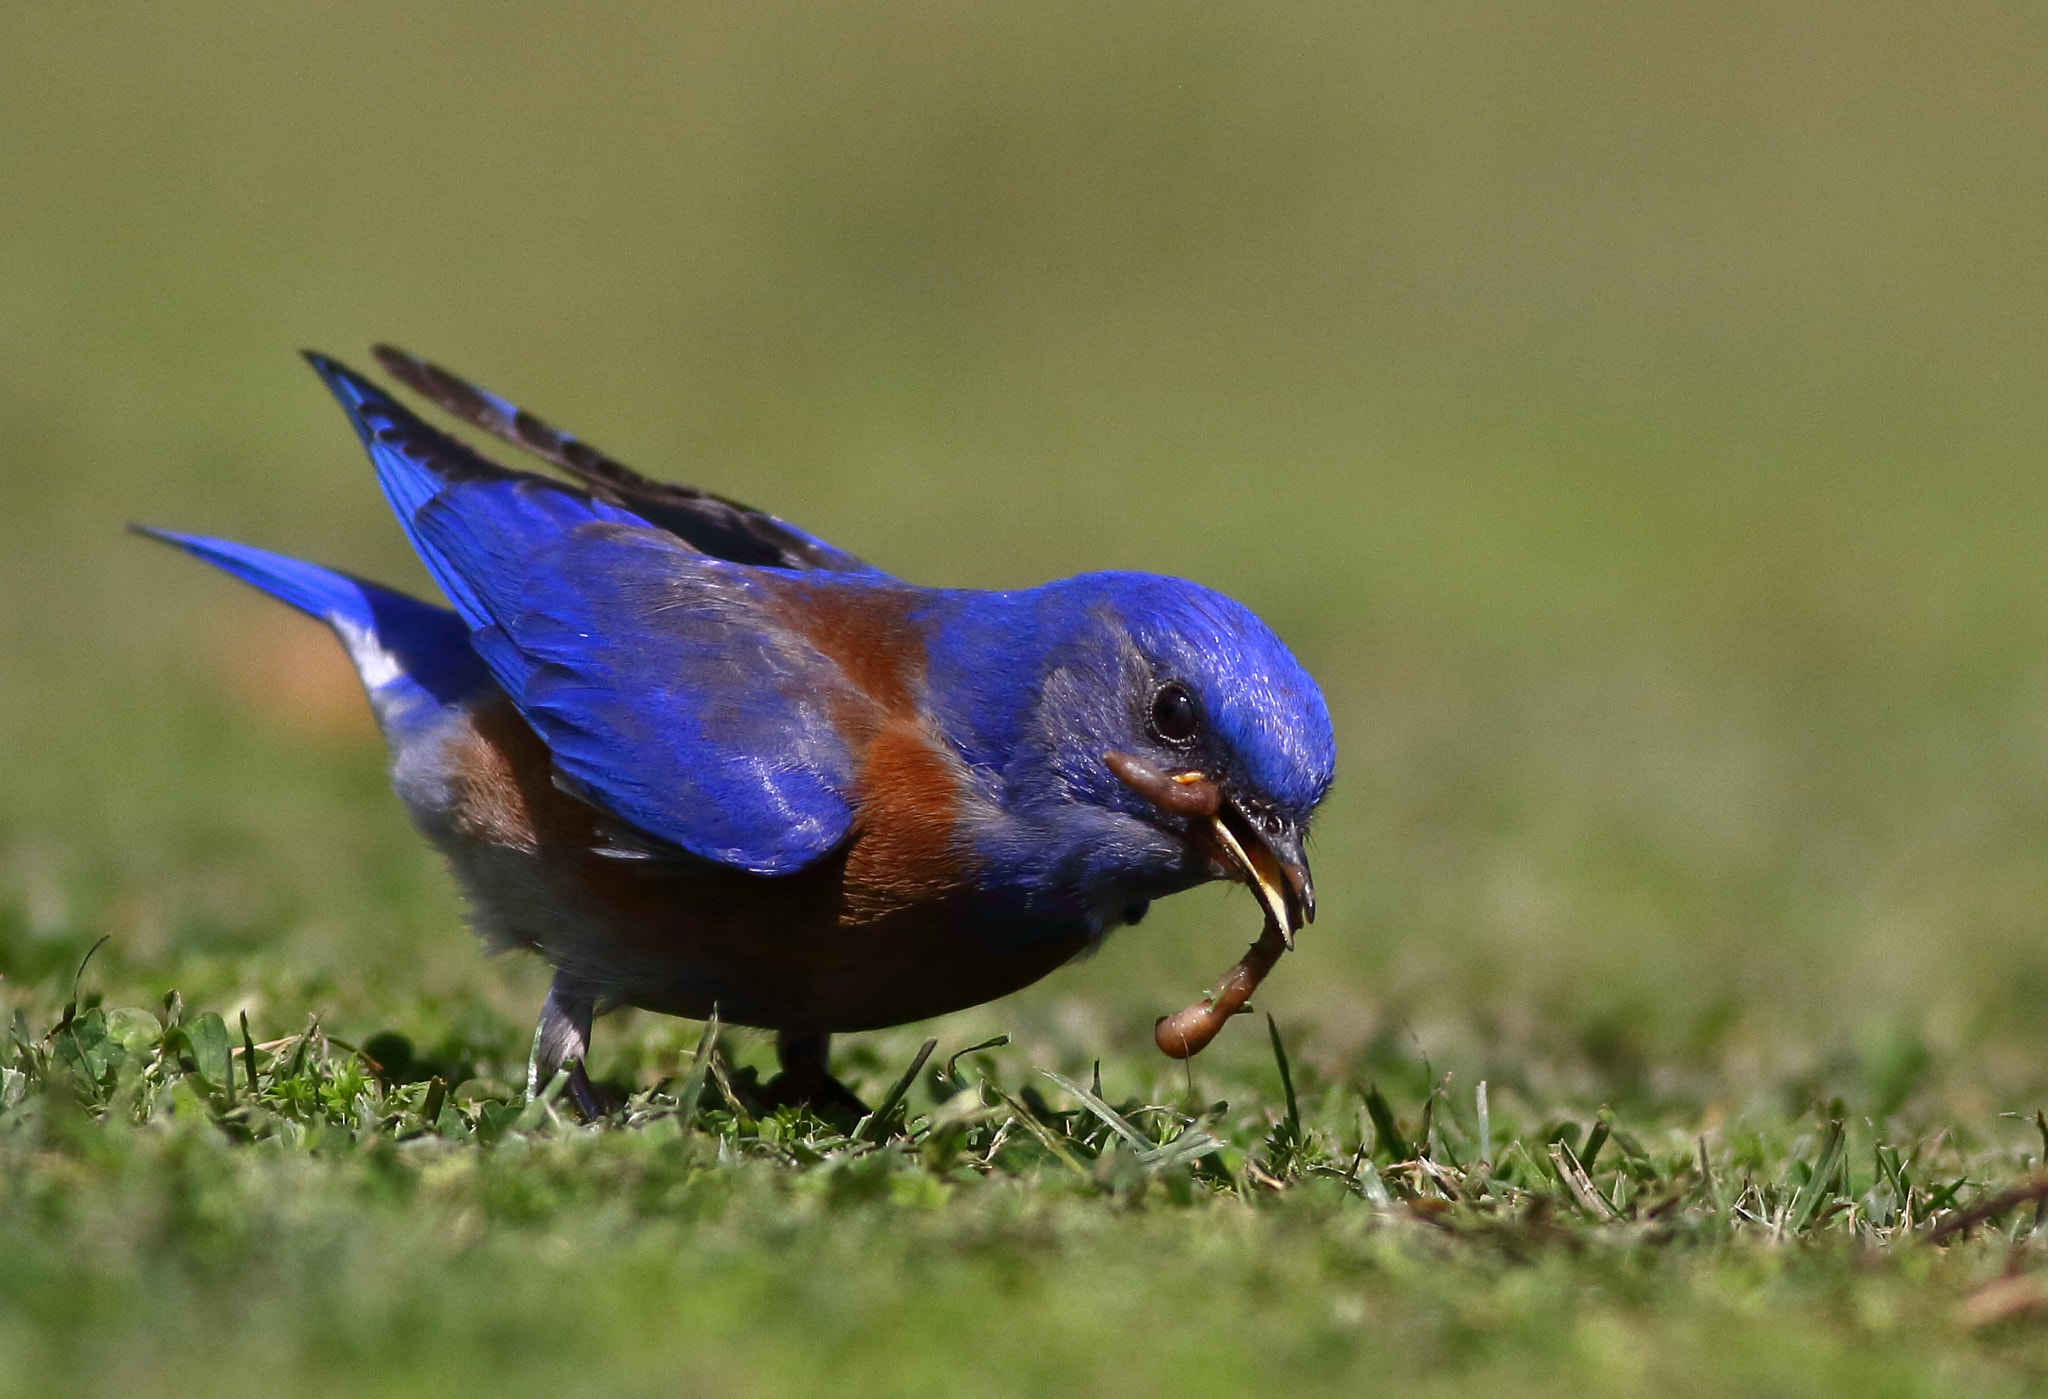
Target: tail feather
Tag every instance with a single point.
(414, 464)
(405, 650)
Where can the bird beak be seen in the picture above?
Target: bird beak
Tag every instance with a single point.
(1268, 856)
(1262, 851)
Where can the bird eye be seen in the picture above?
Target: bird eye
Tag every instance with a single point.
(1174, 718)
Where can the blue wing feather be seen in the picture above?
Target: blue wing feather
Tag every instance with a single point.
(663, 686)
(659, 679)
(414, 464)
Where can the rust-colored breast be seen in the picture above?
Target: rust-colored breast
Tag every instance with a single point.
(869, 634)
(907, 851)
(906, 847)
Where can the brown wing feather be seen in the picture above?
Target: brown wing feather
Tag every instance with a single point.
(720, 527)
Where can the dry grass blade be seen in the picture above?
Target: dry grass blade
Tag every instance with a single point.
(1485, 1120)
(1045, 1136)
(1579, 1183)
(2028, 1192)
(2014, 1294)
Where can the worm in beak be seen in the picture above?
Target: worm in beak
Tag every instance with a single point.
(1259, 848)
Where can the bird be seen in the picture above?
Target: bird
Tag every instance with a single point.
(704, 763)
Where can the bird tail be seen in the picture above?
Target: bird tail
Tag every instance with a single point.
(409, 653)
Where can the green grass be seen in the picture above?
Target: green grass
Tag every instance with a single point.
(1632, 418)
(183, 1205)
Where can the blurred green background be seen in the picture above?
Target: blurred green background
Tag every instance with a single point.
(1633, 415)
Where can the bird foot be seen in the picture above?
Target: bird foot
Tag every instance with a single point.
(827, 1098)
(592, 1102)
(560, 1042)
(806, 1082)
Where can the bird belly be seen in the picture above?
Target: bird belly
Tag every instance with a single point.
(780, 952)
(828, 976)
(845, 944)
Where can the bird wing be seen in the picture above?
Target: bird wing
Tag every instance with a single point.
(722, 528)
(665, 685)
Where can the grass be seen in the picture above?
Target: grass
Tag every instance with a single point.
(1632, 419)
(186, 1206)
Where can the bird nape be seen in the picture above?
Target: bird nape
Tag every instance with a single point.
(699, 759)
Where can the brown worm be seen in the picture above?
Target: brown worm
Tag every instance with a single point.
(1186, 1033)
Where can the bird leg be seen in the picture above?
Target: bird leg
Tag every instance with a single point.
(806, 1079)
(563, 1036)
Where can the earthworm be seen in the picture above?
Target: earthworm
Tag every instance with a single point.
(1186, 1033)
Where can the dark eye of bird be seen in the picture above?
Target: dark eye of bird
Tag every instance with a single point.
(1173, 713)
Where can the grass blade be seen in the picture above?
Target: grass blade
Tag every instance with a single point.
(1286, 1082)
(1810, 1195)
(742, 1114)
(994, 1042)
(248, 1057)
(1191, 1144)
(877, 1121)
(1573, 1174)
(1373, 1186)
(692, 1091)
(1383, 1124)
(1023, 1115)
(1715, 1202)
(1603, 1127)
(1485, 1126)
(1118, 1123)
(540, 1107)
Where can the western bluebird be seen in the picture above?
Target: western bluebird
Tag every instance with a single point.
(697, 758)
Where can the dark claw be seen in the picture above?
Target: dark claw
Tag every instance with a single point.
(590, 1100)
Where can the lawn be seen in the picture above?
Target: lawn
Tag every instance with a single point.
(1634, 421)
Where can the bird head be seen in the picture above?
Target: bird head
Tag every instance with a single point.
(1178, 715)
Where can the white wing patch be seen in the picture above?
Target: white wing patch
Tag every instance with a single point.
(377, 666)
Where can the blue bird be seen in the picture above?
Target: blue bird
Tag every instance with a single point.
(699, 759)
